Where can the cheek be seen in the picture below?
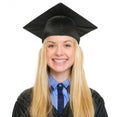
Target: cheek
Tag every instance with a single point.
(49, 54)
(48, 57)
(71, 54)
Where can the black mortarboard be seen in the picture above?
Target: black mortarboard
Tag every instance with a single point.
(60, 20)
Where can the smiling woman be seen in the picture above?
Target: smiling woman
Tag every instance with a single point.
(60, 89)
(60, 55)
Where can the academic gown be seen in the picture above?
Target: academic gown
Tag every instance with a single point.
(22, 105)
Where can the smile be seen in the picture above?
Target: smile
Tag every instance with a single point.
(59, 60)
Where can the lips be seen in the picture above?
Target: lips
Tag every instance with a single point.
(59, 60)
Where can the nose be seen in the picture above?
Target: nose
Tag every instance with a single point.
(59, 51)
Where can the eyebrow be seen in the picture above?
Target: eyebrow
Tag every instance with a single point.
(50, 42)
(68, 41)
(63, 42)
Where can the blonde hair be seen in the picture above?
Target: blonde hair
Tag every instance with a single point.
(80, 94)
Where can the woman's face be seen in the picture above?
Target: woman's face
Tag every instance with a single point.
(60, 53)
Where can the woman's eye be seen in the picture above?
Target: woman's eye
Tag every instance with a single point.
(50, 46)
(67, 45)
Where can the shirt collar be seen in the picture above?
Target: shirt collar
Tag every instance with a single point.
(54, 83)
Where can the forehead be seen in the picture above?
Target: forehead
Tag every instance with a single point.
(59, 39)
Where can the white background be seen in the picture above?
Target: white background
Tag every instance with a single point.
(19, 49)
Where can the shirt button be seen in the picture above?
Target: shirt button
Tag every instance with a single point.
(60, 85)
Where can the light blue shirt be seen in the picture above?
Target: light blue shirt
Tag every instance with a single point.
(54, 92)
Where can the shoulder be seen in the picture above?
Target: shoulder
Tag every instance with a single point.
(21, 107)
(96, 96)
(25, 98)
(99, 104)
(25, 95)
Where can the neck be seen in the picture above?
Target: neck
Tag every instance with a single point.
(60, 77)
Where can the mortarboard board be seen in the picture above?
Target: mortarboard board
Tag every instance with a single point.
(60, 20)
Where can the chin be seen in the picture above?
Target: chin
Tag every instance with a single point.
(60, 70)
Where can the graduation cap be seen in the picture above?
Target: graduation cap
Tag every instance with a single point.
(60, 20)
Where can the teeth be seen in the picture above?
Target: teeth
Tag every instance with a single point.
(59, 61)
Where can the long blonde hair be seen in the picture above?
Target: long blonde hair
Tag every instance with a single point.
(80, 94)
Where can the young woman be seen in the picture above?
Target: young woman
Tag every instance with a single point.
(60, 89)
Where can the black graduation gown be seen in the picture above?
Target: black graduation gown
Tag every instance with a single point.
(21, 107)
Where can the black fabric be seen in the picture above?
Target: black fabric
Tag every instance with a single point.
(60, 25)
(21, 108)
(38, 25)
